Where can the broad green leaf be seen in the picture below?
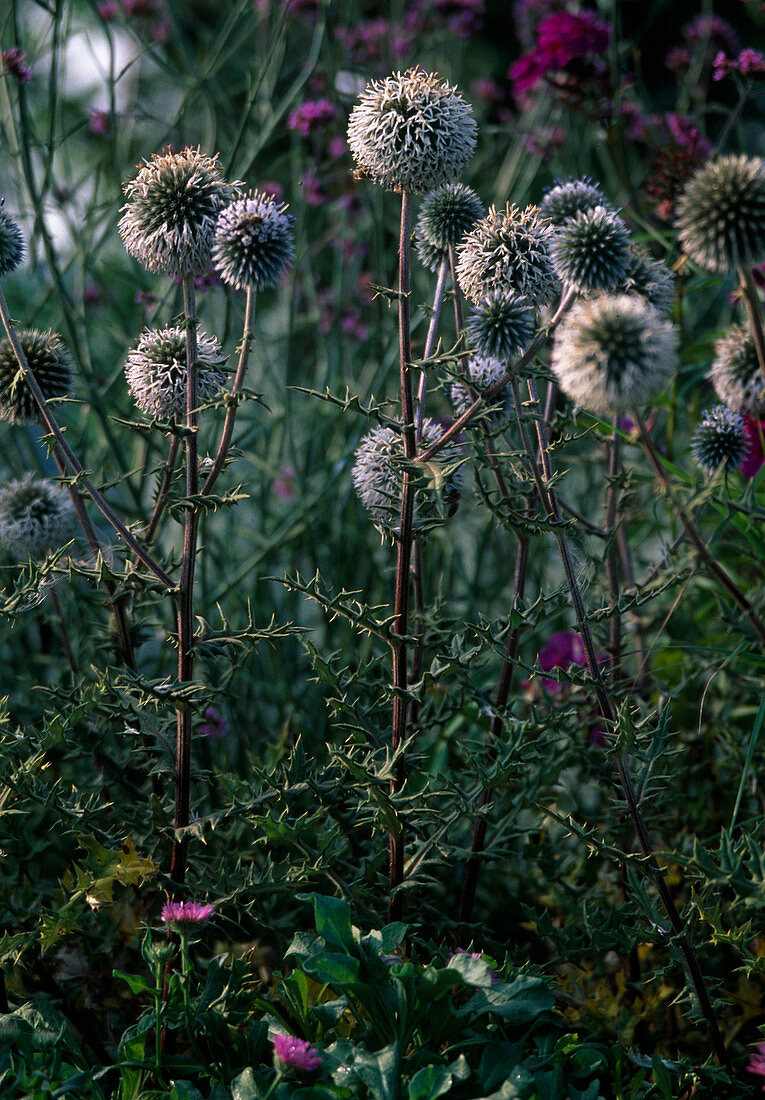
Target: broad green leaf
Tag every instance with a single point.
(519, 1001)
(430, 1082)
(333, 920)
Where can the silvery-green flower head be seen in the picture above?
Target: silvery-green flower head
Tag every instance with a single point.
(720, 438)
(590, 250)
(411, 132)
(446, 215)
(254, 243)
(156, 371)
(721, 214)
(378, 478)
(49, 361)
(735, 372)
(613, 354)
(168, 221)
(565, 200)
(36, 516)
(501, 325)
(481, 373)
(11, 244)
(508, 250)
(649, 278)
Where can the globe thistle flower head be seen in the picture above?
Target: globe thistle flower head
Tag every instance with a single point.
(590, 250)
(295, 1054)
(508, 250)
(168, 222)
(501, 325)
(735, 372)
(720, 438)
(378, 478)
(185, 913)
(156, 371)
(411, 132)
(613, 354)
(721, 214)
(482, 372)
(254, 243)
(446, 215)
(566, 200)
(649, 278)
(11, 244)
(49, 361)
(36, 516)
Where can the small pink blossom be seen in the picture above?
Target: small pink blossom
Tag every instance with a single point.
(755, 454)
(107, 10)
(215, 725)
(297, 1054)
(311, 115)
(487, 89)
(13, 64)
(99, 121)
(274, 189)
(561, 38)
(313, 194)
(284, 485)
(337, 147)
(186, 912)
(757, 1062)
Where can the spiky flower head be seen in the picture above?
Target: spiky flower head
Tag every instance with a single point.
(612, 354)
(36, 516)
(168, 222)
(411, 132)
(254, 242)
(590, 250)
(735, 372)
(184, 913)
(379, 471)
(565, 200)
(156, 371)
(721, 214)
(295, 1054)
(11, 244)
(49, 361)
(720, 437)
(482, 372)
(501, 325)
(649, 278)
(446, 215)
(508, 250)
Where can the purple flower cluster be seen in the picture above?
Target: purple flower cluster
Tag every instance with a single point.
(748, 63)
(311, 115)
(214, 726)
(295, 1054)
(182, 913)
(757, 1062)
(371, 40)
(754, 430)
(710, 28)
(563, 649)
(13, 64)
(562, 38)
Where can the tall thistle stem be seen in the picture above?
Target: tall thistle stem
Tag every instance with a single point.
(754, 314)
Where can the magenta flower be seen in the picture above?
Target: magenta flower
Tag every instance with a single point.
(296, 1054)
(563, 649)
(749, 63)
(311, 115)
(561, 38)
(182, 913)
(99, 121)
(757, 1062)
(108, 10)
(13, 64)
(755, 454)
(710, 28)
(215, 725)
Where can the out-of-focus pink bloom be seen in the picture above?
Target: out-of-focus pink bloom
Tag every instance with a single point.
(337, 147)
(311, 115)
(749, 63)
(147, 299)
(284, 485)
(543, 143)
(686, 136)
(313, 195)
(352, 324)
(563, 649)
(296, 1054)
(141, 7)
(527, 15)
(274, 189)
(215, 725)
(757, 1062)
(13, 63)
(107, 10)
(710, 28)
(93, 294)
(186, 912)
(487, 89)
(755, 455)
(99, 121)
(678, 59)
(561, 38)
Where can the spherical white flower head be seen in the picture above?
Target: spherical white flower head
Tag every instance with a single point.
(720, 437)
(613, 354)
(446, 215)
(482, 372)
(50, 363)
(36, 516)
(735, 372)
(156, 371)
(168, 222)
(378, 478)
(649, 278)
(411, 132)
(501, 325)
(565, 200)
(254, 243)
(11, 244)
(721, 214)
(590, 250)
(508, 250)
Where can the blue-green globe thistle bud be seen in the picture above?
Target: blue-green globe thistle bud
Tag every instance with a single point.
(721, 214)
(590, 250)
(649, 278)
(720, 437)
(11, 244)
(254, 243)
(156, 371)
(565, 200)
(735, 372)
(378, 478)
(482, 372)
(168, 222)
(36, 516)
(501, 325)
(446, 215)
(49, 361)
(411, 132)
(613, 354)
(508, 250)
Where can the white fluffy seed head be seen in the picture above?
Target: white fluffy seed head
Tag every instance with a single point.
(254, 243)
(735, 372)
(613, 354)
(156, 371)
(508, 250)
(36, 516)
(721, 214)
(50, 363)
(649, 278)
(411, 132)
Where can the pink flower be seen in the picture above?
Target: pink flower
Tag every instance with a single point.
(13, 64)
(297, 1054)
(99, 121)
(108, 10)
(311, 115)
(186, 912)
(274, 189)
(337, 147)
(561, 38)
(755, 455)
(312, 191)
(284, 485)
(686, 135)
(757, 1062)
(486, 89)
(705, 28)
(678, 59)
(215, 725)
